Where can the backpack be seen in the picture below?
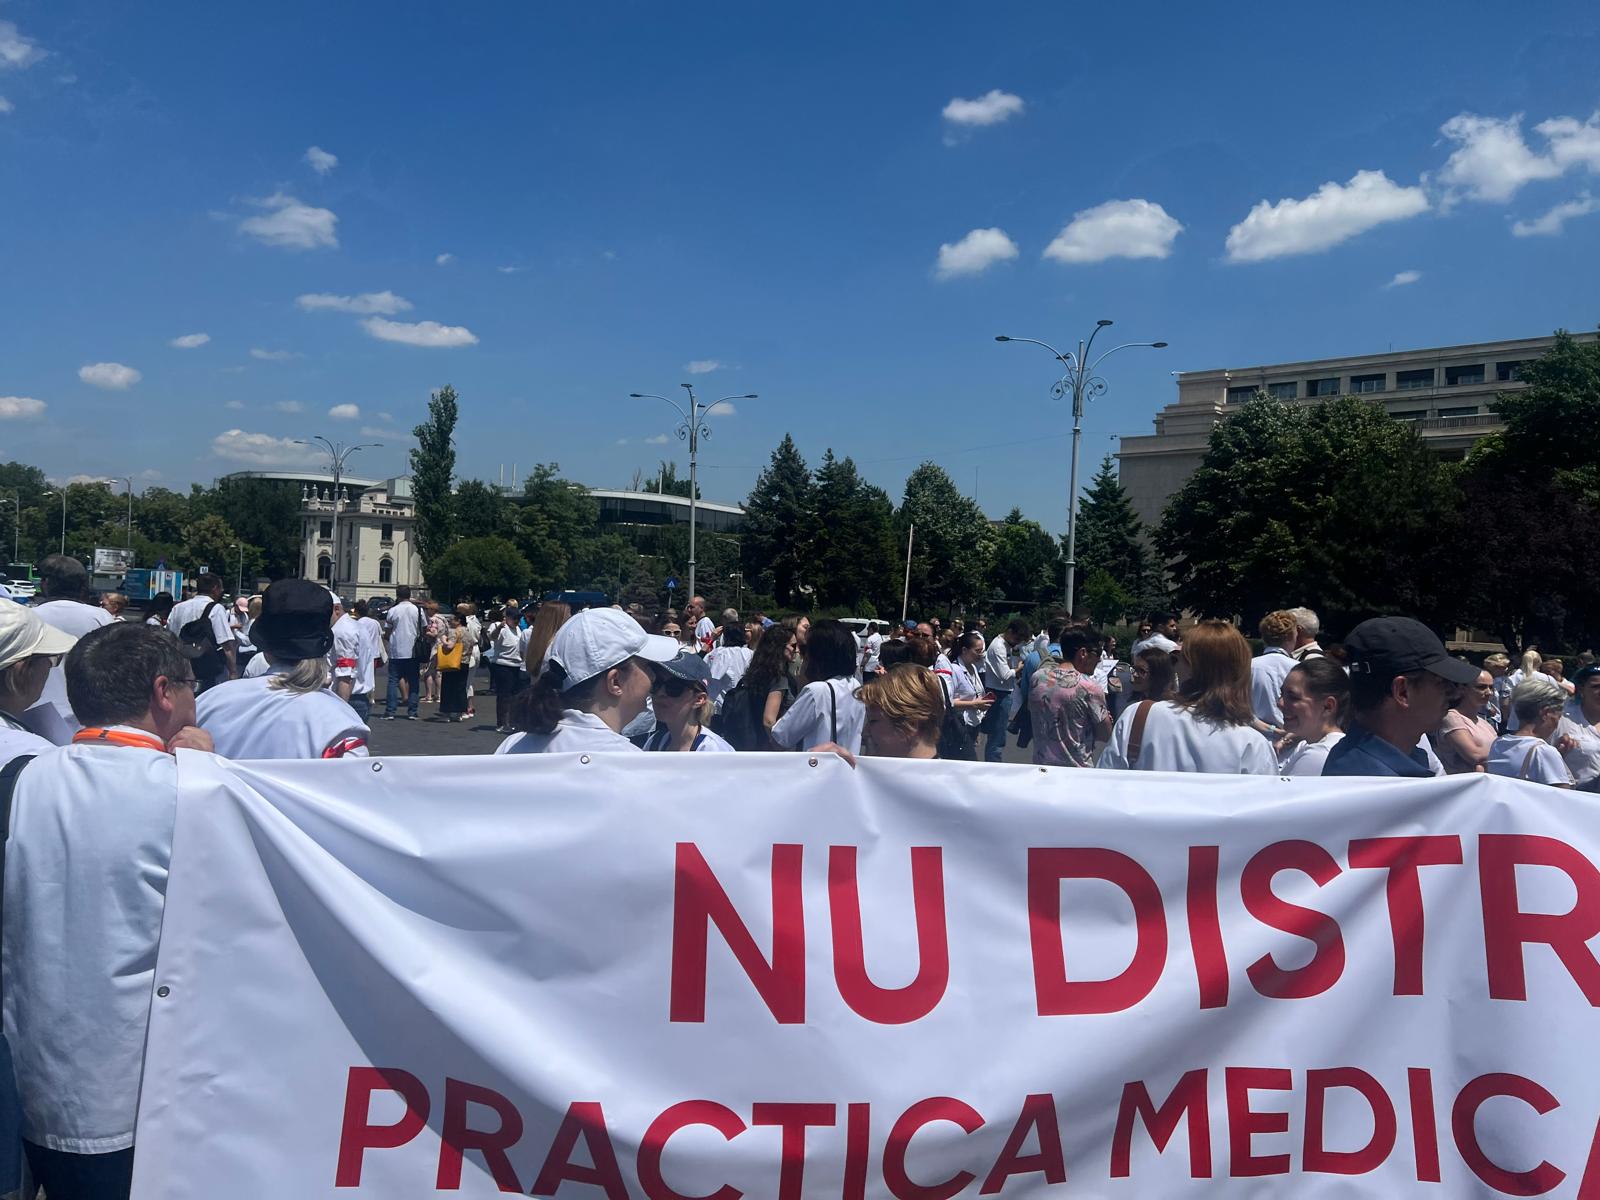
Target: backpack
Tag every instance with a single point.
(739, 722)
(201, 644)
(422, 648)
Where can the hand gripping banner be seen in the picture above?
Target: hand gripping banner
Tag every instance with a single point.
(656, 977)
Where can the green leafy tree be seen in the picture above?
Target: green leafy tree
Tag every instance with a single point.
(1111, 539)
(263, 512)
(160, 514)
(953, 546)
(1106, 599)
(851, 535)
(433, 464)
(556, 522)
(666, 482)
(1555, 420)
(481, 511)
(1335, 504)
(778, 509)
(1026, 569)
(209, 541)
(480, 569)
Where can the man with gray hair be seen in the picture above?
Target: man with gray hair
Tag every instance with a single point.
(1306, 628)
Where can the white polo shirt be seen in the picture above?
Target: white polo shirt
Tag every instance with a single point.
(810, 719)
(352, 657)
(1176, 740)
(249, 718)
(85, 884)
(75, 618)
(576, 730)
(1306, 758)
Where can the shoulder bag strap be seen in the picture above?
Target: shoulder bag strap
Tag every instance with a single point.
(1141, 714)
(833, 706)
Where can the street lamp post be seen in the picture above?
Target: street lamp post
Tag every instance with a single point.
(63, 494)
(238, 579)
(692, 430)
(128, 539)
(338, 454)
(1079, 382)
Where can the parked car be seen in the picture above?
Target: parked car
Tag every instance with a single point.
(20, 589)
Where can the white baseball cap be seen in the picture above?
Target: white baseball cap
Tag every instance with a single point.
(22, 635)
(597, 639)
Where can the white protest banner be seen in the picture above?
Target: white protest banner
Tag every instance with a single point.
(651, 977)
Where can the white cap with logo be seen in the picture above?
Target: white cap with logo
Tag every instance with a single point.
(597, 639)
(22, 635)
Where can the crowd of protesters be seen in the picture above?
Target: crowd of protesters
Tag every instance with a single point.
(93, 706)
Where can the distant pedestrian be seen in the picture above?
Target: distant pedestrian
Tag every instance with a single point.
(1271, 667)
(402, 626)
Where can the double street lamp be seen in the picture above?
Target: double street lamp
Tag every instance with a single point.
(338, 454)
(691, 430)
(1079, 382)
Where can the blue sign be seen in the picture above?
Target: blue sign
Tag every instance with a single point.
(161, 564)
(672, 584)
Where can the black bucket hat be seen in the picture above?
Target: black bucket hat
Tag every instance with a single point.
(296, 620)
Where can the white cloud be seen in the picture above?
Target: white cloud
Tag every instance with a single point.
(978, 251)
(379, 431)
(420, 333)
(151, 473)
(702, 366)
(1332, 214)
(190, 341)
(291, 224)
(1491, 160)
(345, 412)
(1573, 143)
(444, 260)
(1402, 278)
(511, 270)
(6, 106)
(272, 355)
(1116, 229)
(367, 302)
(320, 161)
(725, 408)
(261, 449)
(289, 406)
(659, 439)
(989, 109)
(17, 51)
(236, 405)
(112, 376)
(1550, 224)
(18, 408)
(385, 416)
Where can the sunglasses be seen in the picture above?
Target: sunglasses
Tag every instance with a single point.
(672, 686)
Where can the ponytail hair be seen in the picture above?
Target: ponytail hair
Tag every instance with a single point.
(538, 709)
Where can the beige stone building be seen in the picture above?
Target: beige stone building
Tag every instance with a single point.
(1446, 391)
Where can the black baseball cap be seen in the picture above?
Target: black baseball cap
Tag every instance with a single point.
(295, 621)
(1385, 647)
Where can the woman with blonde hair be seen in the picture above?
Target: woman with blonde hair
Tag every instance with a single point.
(682, 707)
(1208, 727)
(905, 713)
(1531, 667)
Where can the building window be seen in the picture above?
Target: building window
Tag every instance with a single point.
(1322, 387)
(326, 531)
(1369, 383)
(1460, 376)
(1409, 380)
(324, 568)
(1509, 372)
(1415, 414)
(1469, 410)
(1241, 395)
(386, 532)
(385, 571)
(1283, 391)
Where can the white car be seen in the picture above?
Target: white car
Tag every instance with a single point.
(20, 589)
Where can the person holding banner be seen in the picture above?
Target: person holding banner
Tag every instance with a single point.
(1209, 727)
(595, 681)
(904, 713)
(85, 887)
(1580, 725)
(287, 712)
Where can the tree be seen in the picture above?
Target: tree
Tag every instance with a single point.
(1335, 504)
(1105, 598)
(557, 520)
(954, 543)
(1026, 569)
(852, 539)
(264, 513)
(777, 510)
(1555, 420)
(481, 569)
(433, 463)
(481, 511)
(209, 541)
(665, 482)
(1111, 539)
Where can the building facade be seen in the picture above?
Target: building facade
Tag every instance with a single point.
(1446, 391)
(376, 531)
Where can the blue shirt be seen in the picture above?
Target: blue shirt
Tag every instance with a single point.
(1362, 752)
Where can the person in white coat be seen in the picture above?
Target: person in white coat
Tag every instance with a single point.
(288, 712)
(827, 709)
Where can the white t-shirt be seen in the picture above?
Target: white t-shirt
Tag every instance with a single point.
(703, 629)
(505, 644)
(372, 630)
(70, 616)
(874, 646)
(352, 655)
(810, 719)
(705, 741)
(1176, 740)
(1267, 673)
(1156, 641)
(249, 718)
(727, 665)
(1583, 760)
(256, 667)
(1306, 758)
(576, 730)
(16, 739)
(94, 823)
(1528, 758)
(403, 621)
(192, 610)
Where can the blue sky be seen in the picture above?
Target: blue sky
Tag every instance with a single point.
(625, 189)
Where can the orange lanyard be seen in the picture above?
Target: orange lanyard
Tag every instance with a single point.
(120, 737)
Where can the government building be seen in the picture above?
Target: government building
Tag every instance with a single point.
(1446, 392)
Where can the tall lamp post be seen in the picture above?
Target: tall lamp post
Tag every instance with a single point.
(338, 454)
(63, 494)
(692, 430)
(1080, 382)
(238, 579)
(128, 540)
